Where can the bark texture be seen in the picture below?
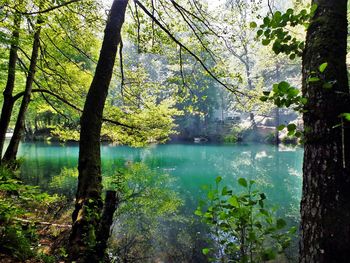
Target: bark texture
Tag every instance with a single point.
(12, 149)
(325, 205)
(88, 206)
(10, 84)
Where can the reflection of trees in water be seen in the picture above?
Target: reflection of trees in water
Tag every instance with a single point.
(163, 239)
(149, 221)
(276, 172)
(65, 183)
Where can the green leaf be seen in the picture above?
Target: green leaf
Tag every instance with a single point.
(265, 41)
(262, 196)
(303, 100)
(277, 15)
(243, 182)
(218, 179)
(313, 79)
(263, 98)
(198, 212)
(293, 92)
(298, 134)
(346, 115)
(290, 11)
(291, 127)
(233, 201)
(264, 212)
(291, 133)
(281, 127)
(323, 67)
(205, 251)
(252, 237)
(211, 195)
(275, 88)
(283, 86)
(253, 25)
(266, 21)
(292, 230)
(313, 9)
(327, 85)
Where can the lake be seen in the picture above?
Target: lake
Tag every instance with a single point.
(189, 167)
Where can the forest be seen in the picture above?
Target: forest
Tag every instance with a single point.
(174, 131)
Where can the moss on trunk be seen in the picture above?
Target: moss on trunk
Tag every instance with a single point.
(325, 205)
(88, 206)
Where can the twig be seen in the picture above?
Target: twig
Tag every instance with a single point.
(44, 11)
(233, 90)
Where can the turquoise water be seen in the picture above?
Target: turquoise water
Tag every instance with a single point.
(277, 171)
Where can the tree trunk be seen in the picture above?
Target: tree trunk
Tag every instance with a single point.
(250, 87)
(8, 99)
(12, 149)
(277, 123)
(111, 204)
(87, 213)
(277, 110)
(325, 205)
(252, 119)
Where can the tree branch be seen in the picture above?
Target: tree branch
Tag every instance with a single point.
(182, 72)
(48, 9)
(42, 90)
(233, 90)
(189, 23)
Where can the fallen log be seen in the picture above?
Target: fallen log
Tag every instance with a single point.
(41, 223)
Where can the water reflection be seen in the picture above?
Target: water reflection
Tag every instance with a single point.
(277, 172)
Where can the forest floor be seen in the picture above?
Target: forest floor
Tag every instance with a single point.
(34, 226)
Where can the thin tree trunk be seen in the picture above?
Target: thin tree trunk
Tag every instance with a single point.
(325, 205)
(250, 87)
(103, 233)
(7, 106)
(12, 149)
(277, 111)
(88, 206)
(252, 119)
(277, 123)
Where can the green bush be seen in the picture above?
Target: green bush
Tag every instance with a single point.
(66, 182)
(17, 201)
(14, 242)
(244, 229)
(231, 138)
(234, 135)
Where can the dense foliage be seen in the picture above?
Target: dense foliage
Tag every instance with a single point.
(222, 71)
(243, 227)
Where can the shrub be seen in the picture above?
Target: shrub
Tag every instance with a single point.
(234, 136)
(18, 237)
(244, 229)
